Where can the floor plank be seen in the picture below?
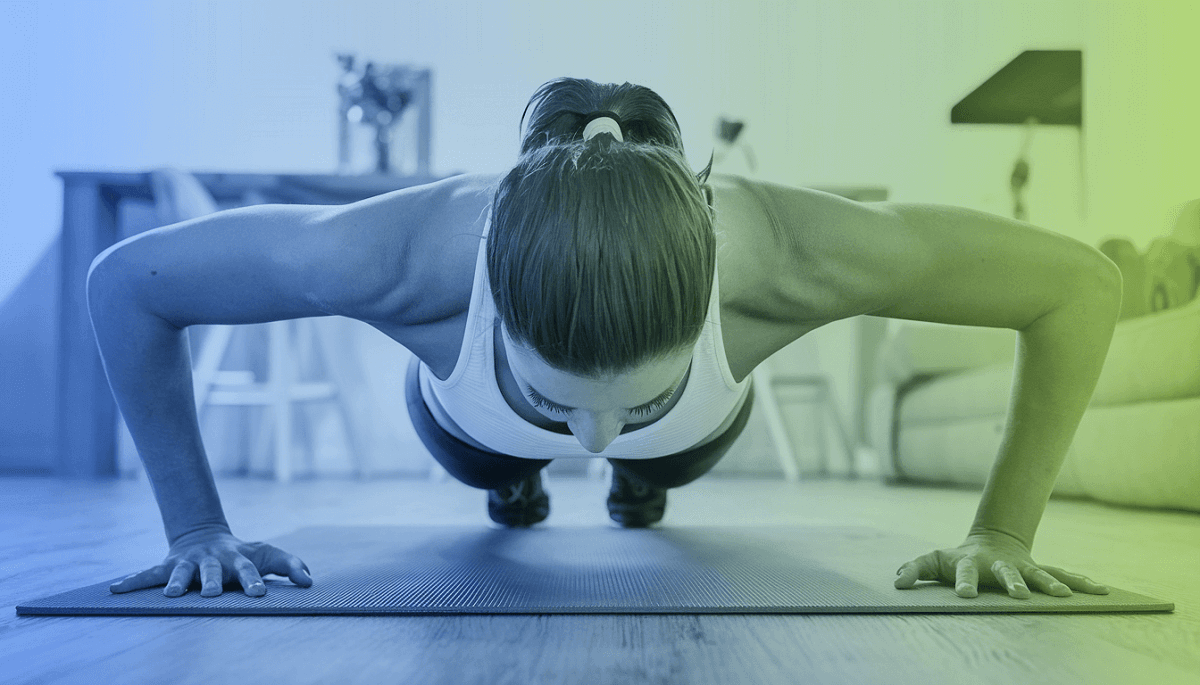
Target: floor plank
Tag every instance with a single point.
(59, 535)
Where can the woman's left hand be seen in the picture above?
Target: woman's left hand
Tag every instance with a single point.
(993, 559)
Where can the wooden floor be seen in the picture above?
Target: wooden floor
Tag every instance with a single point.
(60, 535)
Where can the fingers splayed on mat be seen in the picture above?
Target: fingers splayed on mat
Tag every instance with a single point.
(990, 558)
(216, 557)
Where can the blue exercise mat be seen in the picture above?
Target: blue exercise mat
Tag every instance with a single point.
(362, 570)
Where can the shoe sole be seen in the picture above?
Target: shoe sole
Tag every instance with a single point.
(636, 516)
(520, 517)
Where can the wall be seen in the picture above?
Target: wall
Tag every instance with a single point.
(835, 93)
(1143, 151)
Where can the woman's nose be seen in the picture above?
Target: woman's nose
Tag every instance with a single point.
(596, 432)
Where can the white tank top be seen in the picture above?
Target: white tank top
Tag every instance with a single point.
(471, 396)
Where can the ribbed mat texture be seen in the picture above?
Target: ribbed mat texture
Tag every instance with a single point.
(560, 570)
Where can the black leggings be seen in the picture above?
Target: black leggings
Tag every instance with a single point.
(491, 470)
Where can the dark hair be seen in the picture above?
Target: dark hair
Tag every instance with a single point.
(601, 253)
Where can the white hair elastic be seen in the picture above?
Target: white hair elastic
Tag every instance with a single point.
(603, 125)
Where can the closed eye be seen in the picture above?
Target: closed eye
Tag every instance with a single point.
(652, 407)
(542, 402)
(644, 410)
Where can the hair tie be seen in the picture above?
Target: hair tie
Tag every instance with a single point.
(602, 122)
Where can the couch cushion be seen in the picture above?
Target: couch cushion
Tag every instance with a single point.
(1145, 454)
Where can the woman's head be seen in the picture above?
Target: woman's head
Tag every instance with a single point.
(601, 253)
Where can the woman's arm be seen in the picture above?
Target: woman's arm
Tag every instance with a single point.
(959, 266)
(144, 292)
(247, 265)
(1061, 296)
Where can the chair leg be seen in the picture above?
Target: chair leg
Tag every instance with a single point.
(280, 363)
(264, 432)
(208, 362)
(341, 375)
(849, 445)
(289, 343)
(822, 401)
(783, 445)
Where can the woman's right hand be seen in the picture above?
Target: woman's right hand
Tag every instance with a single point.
(217, 557)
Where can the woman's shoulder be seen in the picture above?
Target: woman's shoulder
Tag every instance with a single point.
(408, 255)
(790, 259)
(444, 253)
(755, 240)
(799, 245)
(757, 320)
(421, 242)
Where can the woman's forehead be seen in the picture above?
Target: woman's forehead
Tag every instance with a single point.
(632, 388)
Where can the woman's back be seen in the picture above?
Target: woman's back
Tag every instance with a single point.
(440, 272)
(404, 262)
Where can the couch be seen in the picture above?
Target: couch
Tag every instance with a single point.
(937, 412)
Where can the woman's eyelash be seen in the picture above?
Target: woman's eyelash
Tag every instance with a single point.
(652, 407)
(543, 403)
(539, 401)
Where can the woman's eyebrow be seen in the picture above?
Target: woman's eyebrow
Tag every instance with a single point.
(662, 396)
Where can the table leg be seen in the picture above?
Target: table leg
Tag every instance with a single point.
(86, 410)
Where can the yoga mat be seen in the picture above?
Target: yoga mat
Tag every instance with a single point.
(596, 570)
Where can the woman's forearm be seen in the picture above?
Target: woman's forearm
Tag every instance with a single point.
(147, 363)
(1058, 362)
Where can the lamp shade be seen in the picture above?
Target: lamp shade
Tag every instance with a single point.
(1047, 84)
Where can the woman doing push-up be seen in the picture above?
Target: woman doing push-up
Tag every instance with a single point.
(599, 300)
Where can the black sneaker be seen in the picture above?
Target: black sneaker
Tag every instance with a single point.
(634, 503)
(521, 504)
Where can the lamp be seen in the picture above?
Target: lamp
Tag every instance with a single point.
(1037, 88)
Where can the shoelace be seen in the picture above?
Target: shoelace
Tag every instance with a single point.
(639, 489)
(518, 492)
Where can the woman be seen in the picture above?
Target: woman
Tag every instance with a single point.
(599, 299)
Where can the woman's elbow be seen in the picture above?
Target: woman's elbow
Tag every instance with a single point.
(104, 274)
(1110, 279)
(1102, 279)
